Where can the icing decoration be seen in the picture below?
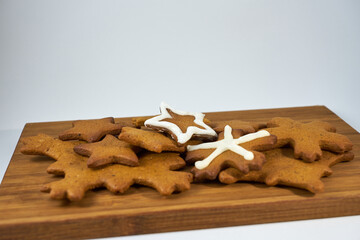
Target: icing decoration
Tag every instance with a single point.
(175, 129)
(228, 143)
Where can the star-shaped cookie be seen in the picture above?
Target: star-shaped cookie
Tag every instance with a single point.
(308, 139)
(155, 170)
(281, 168)
(231, 150)
(109, 150)
(149, 140)
(181, 125)
(91, 130)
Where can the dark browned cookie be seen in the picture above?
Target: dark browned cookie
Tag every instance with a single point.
(91, 130)
(308, 139)
(149, 140)
(108, 150)
(281, 168)
(231, 150)
(156, 170)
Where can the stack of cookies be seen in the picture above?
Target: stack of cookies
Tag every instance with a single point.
(154, 151)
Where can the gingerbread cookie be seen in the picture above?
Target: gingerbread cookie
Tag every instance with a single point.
(231, 150)
(155, 170)
(246, 127)
(138, 122)
(281, 168)
(108, 150)
(308, 139)
(149, 140)
(91, 130)
(182, 126)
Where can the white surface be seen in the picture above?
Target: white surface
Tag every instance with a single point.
(330, 229)
(64, 60)
(87, 59)
(8, 141)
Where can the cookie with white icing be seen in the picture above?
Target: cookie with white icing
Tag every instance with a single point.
(233, 149)
(181, 125)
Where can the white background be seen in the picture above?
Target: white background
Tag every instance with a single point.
(62, 60)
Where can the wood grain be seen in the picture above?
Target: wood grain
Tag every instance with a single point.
(25, 212)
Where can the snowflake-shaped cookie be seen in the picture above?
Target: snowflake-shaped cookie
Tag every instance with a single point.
(155, 170)
(281, 168)
(308, 139)
(240, 152)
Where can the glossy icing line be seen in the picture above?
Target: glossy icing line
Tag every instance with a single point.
(190, 131)
(228, 143)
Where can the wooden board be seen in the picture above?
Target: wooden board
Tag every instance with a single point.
(25, 212)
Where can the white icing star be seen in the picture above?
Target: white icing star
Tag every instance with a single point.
(228, 143)
(190, 131)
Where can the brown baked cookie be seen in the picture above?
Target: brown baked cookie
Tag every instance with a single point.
(281, 168)
(155, 170)
(43, 144)
(109, 150)
(91, 130)
(308, 139)
(149, 140)
(138, 122)
(246, 127)
(231, 150)
(182, 126)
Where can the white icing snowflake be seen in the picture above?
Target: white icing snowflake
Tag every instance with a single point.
(190, 131)
(228, 143)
